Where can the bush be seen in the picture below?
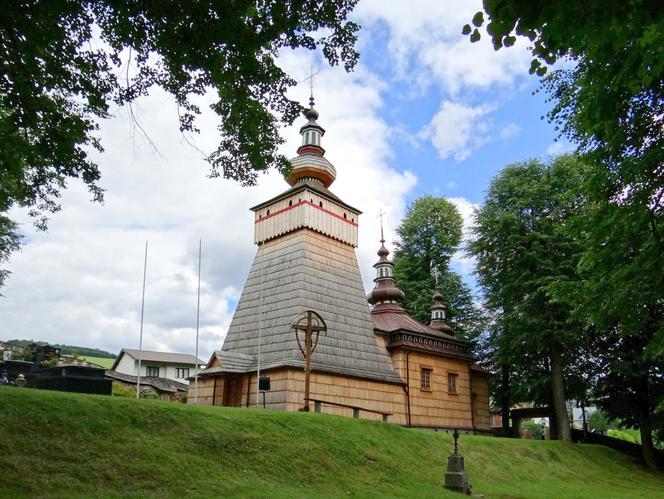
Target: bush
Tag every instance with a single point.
(599, 421)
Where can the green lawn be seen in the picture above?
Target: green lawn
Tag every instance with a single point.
(63, 445)
(100, 361)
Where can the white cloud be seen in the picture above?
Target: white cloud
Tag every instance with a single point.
(462, 262)
(80, 282)
(456, 129)
(426, 45)
(509, 131)
(560, 146)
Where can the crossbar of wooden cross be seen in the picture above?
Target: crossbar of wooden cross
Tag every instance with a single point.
(314, 323)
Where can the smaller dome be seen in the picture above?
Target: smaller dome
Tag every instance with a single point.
(385, 290)
(438, 316)
(311, 114)
(382, 253)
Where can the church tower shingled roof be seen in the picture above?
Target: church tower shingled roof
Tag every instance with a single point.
(305, 261)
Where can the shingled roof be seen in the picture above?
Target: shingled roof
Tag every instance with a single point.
(161, 384)
(298, 272)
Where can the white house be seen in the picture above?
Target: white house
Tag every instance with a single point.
(174, 366)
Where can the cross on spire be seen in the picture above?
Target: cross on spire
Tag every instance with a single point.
(436, 273)
(380, 216)
(312, 73)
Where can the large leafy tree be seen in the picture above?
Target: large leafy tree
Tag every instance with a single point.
(620, 295)
(521, 248)
(429, 235)
(610, 101)
(63, 64)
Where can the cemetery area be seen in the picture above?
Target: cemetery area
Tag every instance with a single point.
(65, 444)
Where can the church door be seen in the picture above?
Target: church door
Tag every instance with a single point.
(233, 391)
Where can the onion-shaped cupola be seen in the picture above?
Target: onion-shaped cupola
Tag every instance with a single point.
(438, 315)
(310, 163)
(385, 292)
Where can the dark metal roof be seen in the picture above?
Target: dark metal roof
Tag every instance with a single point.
(161, 384)
(388, 318)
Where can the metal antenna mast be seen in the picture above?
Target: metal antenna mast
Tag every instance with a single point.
(198, 316)
(140, 341)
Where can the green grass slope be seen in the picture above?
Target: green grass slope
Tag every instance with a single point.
(58, 444)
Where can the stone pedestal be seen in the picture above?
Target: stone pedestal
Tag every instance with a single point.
(456, 477)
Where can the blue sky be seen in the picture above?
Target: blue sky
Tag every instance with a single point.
(424, 112)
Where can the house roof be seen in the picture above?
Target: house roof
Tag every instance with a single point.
(161, 384)
(165, 357)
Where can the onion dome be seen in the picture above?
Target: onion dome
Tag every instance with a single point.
(438, 318)
(310, 163)
(385, 292)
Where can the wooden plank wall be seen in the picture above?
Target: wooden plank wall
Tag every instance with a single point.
(436, 407)
(205, 391)
(304, 210)
(481, 408)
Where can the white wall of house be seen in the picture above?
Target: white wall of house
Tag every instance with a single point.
(129, 365)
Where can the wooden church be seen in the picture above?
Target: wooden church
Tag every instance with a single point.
(370, 360)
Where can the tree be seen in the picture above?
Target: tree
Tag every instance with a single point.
(63, 64)
(611, 102)
(429, 235)
(521, 248)
(619, 294)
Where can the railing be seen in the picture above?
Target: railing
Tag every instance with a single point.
(629, 448)
(356, 410)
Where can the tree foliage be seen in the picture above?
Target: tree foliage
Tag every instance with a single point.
(522, 249)
(608, 97)
(620, 295)
(429, 235)
(611, 101)
(63, 64)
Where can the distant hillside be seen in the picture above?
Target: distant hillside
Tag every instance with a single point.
(67, 349)
(70, 445)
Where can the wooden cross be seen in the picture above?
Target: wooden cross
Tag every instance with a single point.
(314, 322)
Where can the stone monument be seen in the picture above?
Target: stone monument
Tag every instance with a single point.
(456, 477)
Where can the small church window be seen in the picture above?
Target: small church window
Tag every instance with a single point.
(268, 212)
(451, 383)
(426, 379)
(345, 216)
(320, 203)
(290, 203)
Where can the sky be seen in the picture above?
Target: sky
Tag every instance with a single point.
(425, 112)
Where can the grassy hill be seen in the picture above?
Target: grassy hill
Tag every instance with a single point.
(59, 444)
